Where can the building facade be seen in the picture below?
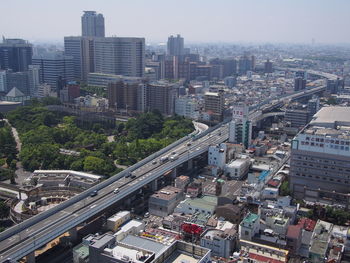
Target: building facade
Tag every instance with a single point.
(92, 24)
(15, 54)
(320, 169)
(120, 56)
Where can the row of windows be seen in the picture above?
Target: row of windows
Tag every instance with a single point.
(312, 139)
(332, 146)
(323, 167)
(323, 178)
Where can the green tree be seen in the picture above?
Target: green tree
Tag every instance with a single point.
(4, 210)
(284, 191)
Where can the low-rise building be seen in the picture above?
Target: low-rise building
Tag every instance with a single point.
(115, 221)
(237, 169)
(217, 155)
(259, 253)
(163, 202)
(220, 242)
(133, 227)
(205, 205)
(249, 227)
(294, 238)
(230, 212)
(320, 241)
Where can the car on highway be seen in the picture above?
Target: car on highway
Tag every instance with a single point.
(93, 193)
(128, 175)
(133, 176)
(115, 191)
(163, 159)
(154, 162)
(174, 157)
(189, 144)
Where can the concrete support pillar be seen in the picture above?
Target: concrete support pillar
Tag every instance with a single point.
(174, 173)
(30, 258)
(73, 233)
(154, 185)
(127, 202)
(190, 164)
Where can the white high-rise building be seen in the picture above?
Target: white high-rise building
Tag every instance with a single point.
(187, 107)
(240, 128)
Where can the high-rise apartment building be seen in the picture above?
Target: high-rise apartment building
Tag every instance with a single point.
(245, 64)
(15, 54)
(299, 84)
(54, 68)
(268, 66)
(120, 56)
(92, 24)
(214, 104)
(161, 96)
(320, 168)
(175, 46)
(127, 93)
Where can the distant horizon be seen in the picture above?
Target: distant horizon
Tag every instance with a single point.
(198, 21)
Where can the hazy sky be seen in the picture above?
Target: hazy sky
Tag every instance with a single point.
(327, 21)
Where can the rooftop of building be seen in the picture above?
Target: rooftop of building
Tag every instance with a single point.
(250, 218)
(129, 253)
(210, 234)
(102, 240)
(128, 226)
(320, 237)
(144, 243)
(294, 231)
(82, 250)
(167, 193)
(331, 116)
(238, 162)
(118, 215)
(205, 202)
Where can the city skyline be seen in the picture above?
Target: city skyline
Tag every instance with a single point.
(224, 21)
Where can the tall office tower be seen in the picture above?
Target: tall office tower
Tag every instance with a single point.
(3, 81)
(268, 66)
(18, 80)
(120, 56)
(161, 96)
(175, 46)
(92, 24)
(126, 93)
(240, 128)
(214, 103)
(82, 51)
(54, 68)
(15, 54)
(319, 167)
(34, 79)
